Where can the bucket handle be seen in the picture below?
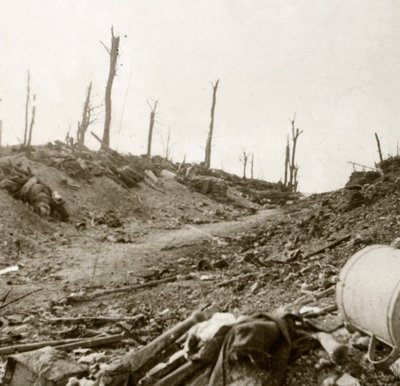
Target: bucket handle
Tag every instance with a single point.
(371, 351)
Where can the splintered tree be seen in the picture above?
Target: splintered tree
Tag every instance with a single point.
(287, 162)
(86, 118)
(207, 158)
(153, 110)
(28, 90)
(379, 148)
(113, 52)
(32, 121)
(293, 168)
(252, 166)
(244, 159)
(167, 145)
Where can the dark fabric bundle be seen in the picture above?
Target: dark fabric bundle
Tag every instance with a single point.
(255, 351)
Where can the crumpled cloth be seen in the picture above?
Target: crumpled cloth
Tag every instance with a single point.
(255, 351)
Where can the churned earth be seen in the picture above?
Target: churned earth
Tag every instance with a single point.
(216, 252)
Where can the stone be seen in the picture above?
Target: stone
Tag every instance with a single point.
(330, 381)
(347, 380)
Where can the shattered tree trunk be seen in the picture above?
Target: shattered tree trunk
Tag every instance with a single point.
(32, 121)
(85, 122)
(151, 127)
(167, 149)
(293, 173)
(296, 182)
(244, 160)
(287, 163)
(379, 148)
(113, 52)
(252, 166)
(207, 158)
(27, 108)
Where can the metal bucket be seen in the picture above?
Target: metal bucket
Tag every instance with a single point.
(368, 296)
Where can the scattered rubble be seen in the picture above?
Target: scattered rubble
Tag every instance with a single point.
(292, 262)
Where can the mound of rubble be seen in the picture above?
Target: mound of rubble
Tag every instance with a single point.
(218, 184)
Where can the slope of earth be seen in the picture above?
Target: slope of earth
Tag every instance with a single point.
(161, 229)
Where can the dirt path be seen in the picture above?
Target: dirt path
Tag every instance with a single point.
(104, 263)
(88, 262)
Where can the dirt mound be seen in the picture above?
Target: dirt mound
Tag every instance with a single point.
(224, 186)
(363, 178)
(391, 165)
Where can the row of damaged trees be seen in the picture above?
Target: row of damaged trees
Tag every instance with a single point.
(89, 116)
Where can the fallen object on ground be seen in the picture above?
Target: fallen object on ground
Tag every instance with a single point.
(66, 344)
(337, 351)
(135, 364)
(25, 186)
(203, 332)
(368, 295)
(44, 367)
(255, 347)
(328, 246)
(347, 380)
(13, 268)
(83, 298)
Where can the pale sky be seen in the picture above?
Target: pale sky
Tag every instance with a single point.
(334, 62)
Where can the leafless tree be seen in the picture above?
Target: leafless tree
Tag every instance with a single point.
(252, 166)
(287, 162)
(86, 118)
(153, 111)
(379, 148)
(293, 168)
(27, 108)
(295, 179)
(32, 121)
(167, 144)
(207, 158)
(244, 159)
(113, 52)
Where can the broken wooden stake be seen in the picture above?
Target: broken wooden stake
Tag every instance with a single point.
(136, 363)
(96, 319)
(328, 246)
(65, 344)
(235, 279)
(92, 342)
(37, 345)
(154, 283)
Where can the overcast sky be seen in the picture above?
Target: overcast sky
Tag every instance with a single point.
(334, 62)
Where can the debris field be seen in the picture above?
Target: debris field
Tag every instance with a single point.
(126, 270)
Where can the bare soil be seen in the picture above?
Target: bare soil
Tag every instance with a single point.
(167, 229)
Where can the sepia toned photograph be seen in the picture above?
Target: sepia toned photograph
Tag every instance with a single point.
(199, 193)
